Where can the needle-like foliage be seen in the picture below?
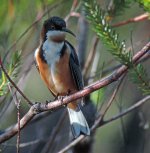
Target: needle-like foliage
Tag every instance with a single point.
(117, 48)
(139, 76)
(110, 38)
(12, 68)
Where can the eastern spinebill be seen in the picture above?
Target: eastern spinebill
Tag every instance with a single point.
(59, 67)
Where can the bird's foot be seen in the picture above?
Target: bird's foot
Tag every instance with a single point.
(46, 102)
(37, 108)
(60, 98)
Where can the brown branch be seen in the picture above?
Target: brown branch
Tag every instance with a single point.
(87, 90)
(72, 13)
(132, 20)
(11, 81)
(100, 83)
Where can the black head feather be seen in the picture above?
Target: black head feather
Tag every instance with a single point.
(54, 23)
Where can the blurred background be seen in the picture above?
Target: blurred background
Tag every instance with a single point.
(20, 27)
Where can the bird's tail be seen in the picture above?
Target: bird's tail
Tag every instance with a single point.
(78, 122)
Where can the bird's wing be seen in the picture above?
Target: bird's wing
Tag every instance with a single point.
(75, 68)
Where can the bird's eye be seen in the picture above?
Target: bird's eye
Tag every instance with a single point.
(52, 27)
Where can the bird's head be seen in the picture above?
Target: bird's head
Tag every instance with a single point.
(55, 29)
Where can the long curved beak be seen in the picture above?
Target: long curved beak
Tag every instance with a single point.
(69, 31)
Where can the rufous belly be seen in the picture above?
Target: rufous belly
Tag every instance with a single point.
(58, 77)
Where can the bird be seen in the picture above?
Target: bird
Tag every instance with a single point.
(59, 67)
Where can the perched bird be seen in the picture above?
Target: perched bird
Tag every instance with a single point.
(59, 67)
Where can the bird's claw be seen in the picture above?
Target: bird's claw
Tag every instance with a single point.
(60, 98)
(37, 108)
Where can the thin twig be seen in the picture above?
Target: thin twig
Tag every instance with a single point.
(72, 13)
(128, 110)
(17, 103)
(91, 56)
(132, 20)
(18, 118)
(72, 144)
(31, 143)
(12, 82)
(103, 112)
(25, 144)
(82, 37)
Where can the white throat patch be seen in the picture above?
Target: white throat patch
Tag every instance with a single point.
(52, 50)
(54, 33)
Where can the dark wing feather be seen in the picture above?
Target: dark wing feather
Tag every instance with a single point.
(75, 67)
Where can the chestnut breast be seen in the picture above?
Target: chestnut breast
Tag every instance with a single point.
(56, 73)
